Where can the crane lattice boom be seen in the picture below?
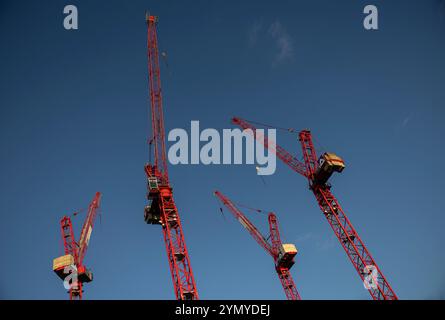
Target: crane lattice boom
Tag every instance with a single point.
(284, 259)
(317, 176)
(281, 153)
(88, 227)
(75, 252)
(348, 237)
(161, 208)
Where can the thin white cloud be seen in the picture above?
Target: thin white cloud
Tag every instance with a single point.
(283, 42)
(320, 241)
(402, 124)
(304, 237)
(405, 121)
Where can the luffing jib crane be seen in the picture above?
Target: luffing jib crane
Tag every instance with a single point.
(318, 172)
(75, 252)
(161, 208)
(283, 254)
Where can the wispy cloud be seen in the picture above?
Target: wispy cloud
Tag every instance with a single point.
(305, 237)
(405, 121)
(253, 33)
(283, 42)
(321, 242)
(402, 124)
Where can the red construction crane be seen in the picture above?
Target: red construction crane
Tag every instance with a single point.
(72, 261)
(283, 254)
(161, 208)
(318, 171)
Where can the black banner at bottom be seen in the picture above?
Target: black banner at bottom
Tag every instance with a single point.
(214, 309)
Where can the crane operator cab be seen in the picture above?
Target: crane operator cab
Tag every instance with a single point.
(286, 255)
(151, 210)
(61, 263)
(327, 164)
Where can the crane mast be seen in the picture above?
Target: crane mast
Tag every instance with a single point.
(283, 254)
(70, 246)
(344, 230)
(318, 172)
(161, 208)
(282, 270)
(157, 116)
(75, 251)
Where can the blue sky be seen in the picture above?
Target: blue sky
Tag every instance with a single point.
(74, 120)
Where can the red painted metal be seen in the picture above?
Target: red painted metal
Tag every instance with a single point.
(157, 113)
(272, 248)
(69, 243)
(87, 227)
(78, 250)
(162, 209)
(283, 272)
(358, 254)
(281, 153)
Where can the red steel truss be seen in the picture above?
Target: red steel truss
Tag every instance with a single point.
(69, 243)
(272, 248)
(161, 208)
(354, 247)
(78, 250)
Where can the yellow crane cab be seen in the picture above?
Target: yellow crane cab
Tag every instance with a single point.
(327, 164)
(60, 263)
(286, 255)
